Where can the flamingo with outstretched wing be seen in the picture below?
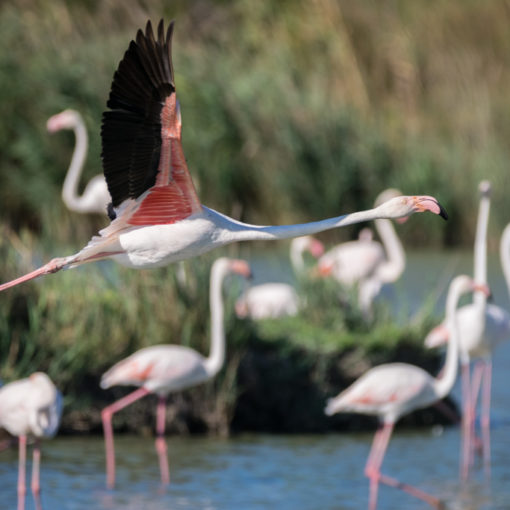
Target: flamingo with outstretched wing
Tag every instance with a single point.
(157, 217)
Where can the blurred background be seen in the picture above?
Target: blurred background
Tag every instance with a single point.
(292, 111)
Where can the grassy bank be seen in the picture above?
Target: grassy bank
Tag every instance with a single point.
(76, 324)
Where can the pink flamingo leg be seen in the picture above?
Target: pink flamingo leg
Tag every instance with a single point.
(106, 416)
(375, 458)
(476, 444)
(466, 422)
(161, 447)
(413, 491)
(36, 462)
(52, 266)
(21, 472)
(485, 417)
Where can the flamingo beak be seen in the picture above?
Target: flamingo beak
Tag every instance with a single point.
(484, 289)
(426, 203)
(242, 268)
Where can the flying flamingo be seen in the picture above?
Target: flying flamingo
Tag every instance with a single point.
(30, 407)
(275, 299)
(157, 216)
(165, 369)
(367, 263)
(96, 197)
(483, 326)
(392, 390)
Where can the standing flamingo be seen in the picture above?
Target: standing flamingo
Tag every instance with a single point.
(157, 216)
(483, 326)
(395, 389)
(165, 369)
(30, 407)
(275, 299)
(365, 262)
(96, 197)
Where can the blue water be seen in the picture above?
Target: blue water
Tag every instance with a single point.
(256, 472)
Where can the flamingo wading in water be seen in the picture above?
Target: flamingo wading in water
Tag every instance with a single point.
(392, 390)
(30, 407)
(165, 369)
(95, 197)
(156, 215)
(483, 326)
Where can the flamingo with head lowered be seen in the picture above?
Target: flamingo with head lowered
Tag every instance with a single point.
(95, 197)
(157, 217)
(393, 390)
(30, 407)
(165, 369)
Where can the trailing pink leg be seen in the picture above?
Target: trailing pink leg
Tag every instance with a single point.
(21, 472)
(106, 416)
(161, 447)
(410, 489)
(486, 417)
(52, 266)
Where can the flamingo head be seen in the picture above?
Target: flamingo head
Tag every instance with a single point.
(403, 206)
(484, 188)
(315, 247)
(240, 267)
(63, 120)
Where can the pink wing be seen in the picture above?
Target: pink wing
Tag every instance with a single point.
(141, 136)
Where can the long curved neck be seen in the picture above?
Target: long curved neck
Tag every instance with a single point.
(395, 264)
(504, 253)
(444, 384)
(296, 256)
(70, 188)
(216, 357)
(233, 230)
(480, 256)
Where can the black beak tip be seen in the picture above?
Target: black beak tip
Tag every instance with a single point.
(442, 212)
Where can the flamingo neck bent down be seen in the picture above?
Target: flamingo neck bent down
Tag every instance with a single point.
(390, 270)
(444, 384)
(216, 358)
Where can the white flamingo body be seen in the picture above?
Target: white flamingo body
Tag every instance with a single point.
(96, 196)
(161, 369)
(158, 217)
(30, 407)
(268, 301)
(274, 299)
(389, 391)
(164, 369)
(479, 335)
(353, 261)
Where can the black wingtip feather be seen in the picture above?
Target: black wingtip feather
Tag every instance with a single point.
(131, 129)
